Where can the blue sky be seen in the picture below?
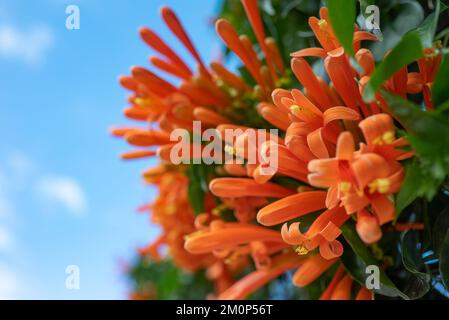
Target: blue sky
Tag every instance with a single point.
(65, 197)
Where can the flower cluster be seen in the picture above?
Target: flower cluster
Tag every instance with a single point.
(339, 158)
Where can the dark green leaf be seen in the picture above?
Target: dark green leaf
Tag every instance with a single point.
(428, 134)
(364, 4)
(405, 52)
(440, 87)
(197, 187)
(444, 261)
(439, 230)
(426, 125)
(356, 257)
(410, 189)
(418, 283)
(289, 6)
(342, 17)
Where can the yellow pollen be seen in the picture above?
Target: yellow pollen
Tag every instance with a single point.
(322, 24)
(379, 185)
(219, 209)
(295, 109)
(301, 250)
(345, 187)
(387, 138)
(144, 103)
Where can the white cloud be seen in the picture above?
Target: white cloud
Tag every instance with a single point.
(19, 163)
(6, 207)
(29, 46)
(64, 191)
(9, 283)
(6, 240)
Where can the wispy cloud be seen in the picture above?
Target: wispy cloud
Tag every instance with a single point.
(6, 207)
(29, 46)
(9, 283)
(64, 191)
(6, 240)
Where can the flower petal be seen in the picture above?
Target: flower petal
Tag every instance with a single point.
(291, 207)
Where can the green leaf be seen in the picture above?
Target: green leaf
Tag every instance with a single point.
(356, 257)
(411, 188)
(198, 186)
(418, 283)
(440, 87)
(408, 50)
(429, 125)
(444, 261)
(428, 27)
(439, 230)
(364, 4)
(342, 17)
(289, 6)
(428, 134)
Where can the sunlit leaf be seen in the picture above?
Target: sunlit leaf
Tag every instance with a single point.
(428, 134)
(440, 87)
(406, 51)
(412, 188)
(342, 15)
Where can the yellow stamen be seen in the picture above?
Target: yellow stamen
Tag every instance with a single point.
(143, 103)
(295, 109)
(219, 209)
(301, 250)
(322, 24)
(387, 138)
(379, 185)
(345, 187)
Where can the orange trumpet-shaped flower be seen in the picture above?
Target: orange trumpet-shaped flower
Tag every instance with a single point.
(322, 233)
(241, 187)
(227, 236)
(339, 274)
(256, 279)
(311, 269)
(357, 179)
(291, 207)
(342, 290)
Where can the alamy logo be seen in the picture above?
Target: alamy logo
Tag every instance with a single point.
(372, 18)
(72, 22)
(233, 145)
(72, 282)
(373, 279)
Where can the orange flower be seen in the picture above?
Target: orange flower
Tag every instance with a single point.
(339, 153)
(256, 279)
(357, 179)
